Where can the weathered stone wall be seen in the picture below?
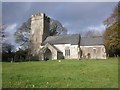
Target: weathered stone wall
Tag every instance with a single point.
(73, 50)
(96, 51)
(39, 32)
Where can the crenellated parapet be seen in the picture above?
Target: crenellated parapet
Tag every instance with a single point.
(40, 16)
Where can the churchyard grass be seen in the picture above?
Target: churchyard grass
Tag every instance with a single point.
(64, 74)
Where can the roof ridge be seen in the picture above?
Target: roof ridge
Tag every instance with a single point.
(63, 35)
(91, 36)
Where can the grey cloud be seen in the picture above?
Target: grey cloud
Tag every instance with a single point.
(14, 12)
(76, 17)
(85, 12)
(0, 13)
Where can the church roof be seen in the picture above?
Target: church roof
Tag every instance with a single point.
(63, 39)
(47, 46)
(88, 41)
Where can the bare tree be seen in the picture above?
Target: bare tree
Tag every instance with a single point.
(92, 33)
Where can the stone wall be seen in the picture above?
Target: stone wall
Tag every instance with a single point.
(73, 50)
(96, 52)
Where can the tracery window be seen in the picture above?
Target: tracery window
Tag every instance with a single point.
(67, 51)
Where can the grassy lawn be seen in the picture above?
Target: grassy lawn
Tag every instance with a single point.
(64, 74)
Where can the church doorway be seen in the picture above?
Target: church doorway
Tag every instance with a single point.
(48, 54)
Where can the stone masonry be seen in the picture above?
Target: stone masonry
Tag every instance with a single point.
(39, 32)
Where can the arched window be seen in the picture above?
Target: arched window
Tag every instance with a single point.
(67, 51)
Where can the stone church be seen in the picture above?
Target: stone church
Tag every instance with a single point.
(70, 46)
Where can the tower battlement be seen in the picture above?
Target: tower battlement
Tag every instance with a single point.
(40, 16)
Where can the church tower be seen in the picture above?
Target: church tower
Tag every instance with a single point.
(39, 32)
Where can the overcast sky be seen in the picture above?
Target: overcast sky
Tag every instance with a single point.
(77, 17)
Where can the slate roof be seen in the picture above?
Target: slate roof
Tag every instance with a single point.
(87, 41)
(63, 39)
